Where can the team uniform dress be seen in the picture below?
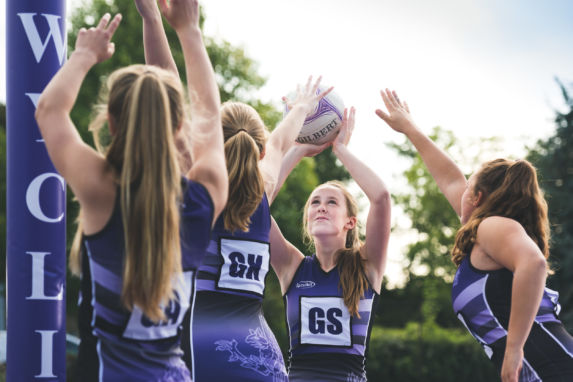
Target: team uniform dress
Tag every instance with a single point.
(326, 343)
(231, 340)
(482, 301)
(119, 345)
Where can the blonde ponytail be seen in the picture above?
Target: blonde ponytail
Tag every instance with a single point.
(146, 106)
(244, 134)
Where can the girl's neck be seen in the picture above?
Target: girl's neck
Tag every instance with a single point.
(326, 252)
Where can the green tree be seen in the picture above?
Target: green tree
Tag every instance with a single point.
(553, 158)
(435, 223)
(430, 214)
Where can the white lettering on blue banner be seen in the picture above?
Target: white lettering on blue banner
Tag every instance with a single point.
(38, 46)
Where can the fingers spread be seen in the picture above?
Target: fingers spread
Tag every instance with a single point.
(103, 21)
(114, 24)
(386, 100)
(324, 93)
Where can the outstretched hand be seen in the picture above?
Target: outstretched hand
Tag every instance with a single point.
(398, 116)
(96, 41)
(346, 128)
(180, 14)
(307, 96)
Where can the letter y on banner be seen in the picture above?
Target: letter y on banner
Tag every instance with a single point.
(36, 198)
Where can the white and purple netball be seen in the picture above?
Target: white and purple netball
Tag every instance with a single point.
(323, 123)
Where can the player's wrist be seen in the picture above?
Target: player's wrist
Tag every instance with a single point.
(85, 57)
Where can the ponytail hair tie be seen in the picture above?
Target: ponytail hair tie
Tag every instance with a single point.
(237, 132)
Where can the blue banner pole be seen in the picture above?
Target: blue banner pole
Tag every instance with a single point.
(36, 198)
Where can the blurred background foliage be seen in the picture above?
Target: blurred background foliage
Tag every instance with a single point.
(416, 336)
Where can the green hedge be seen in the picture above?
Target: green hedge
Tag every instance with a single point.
(427, 353)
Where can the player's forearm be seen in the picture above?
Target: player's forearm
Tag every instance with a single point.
(62, 91)
(202, 86)
(527, 291)
(364, 176)
(289, 162)
(448, 176)
(155, 43)
(284, 136)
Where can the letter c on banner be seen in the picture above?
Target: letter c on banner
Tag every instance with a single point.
(33, 197)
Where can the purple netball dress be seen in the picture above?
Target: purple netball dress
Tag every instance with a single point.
(326, 343)
(482, 301)
(119, 345)
(231, 340)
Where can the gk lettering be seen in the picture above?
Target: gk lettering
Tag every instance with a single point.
(250, 270)
(321, 322)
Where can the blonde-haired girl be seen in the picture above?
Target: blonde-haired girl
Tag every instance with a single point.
(330, 297)
(143, 222)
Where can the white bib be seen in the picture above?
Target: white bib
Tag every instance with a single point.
(245, 265)
(325, 321)
(140, 327)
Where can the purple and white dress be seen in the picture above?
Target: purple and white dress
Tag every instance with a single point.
(229, 337)
(119, 345)
(482, 301)
(326, 343)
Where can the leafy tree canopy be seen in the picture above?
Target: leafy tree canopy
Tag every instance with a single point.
(553, 158)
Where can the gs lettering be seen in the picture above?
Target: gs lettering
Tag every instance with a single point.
(318, 325)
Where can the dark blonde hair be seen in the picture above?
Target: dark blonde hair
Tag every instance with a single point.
(145, 105)
(350, 263)
(510, 189)
(245, 136)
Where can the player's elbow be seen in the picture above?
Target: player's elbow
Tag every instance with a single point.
(42, 112)
(539, 264)
(381, 198)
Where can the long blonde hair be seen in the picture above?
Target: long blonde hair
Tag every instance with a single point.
(350, 263)
(510, 189)
(145, 105)
(245, 136)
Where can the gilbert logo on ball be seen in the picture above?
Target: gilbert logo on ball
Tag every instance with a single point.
(323, 123)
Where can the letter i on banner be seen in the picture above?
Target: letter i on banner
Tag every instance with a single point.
(36, 198)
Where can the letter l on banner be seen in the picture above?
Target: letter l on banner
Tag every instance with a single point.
(36, 198)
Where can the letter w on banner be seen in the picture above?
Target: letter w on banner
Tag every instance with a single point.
(36, 224)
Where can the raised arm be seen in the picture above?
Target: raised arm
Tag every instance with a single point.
(292, 158)
(207, 151)
(378, 222)
(77, 162)
(283, 137)
(155, 42)
(157, 52)
(505, 241)
(285, 257)
(446, 173)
